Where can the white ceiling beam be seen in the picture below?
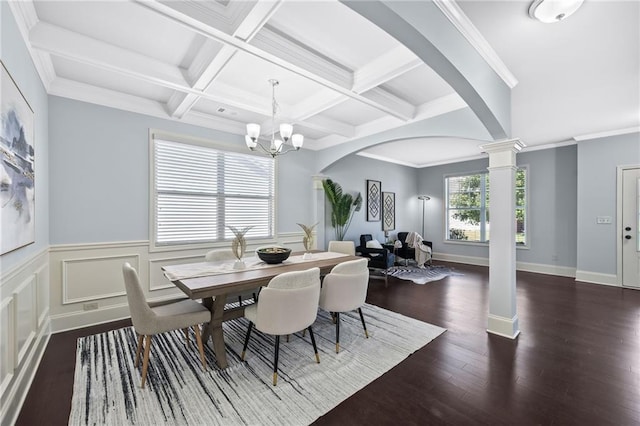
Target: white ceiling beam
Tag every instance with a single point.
(67, 44)
(384, 68)
(384, 97)
(196, 24)
(97, 95)
(76, 47)
(330, 126)
(212, 58)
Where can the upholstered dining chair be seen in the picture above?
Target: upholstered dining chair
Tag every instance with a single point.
(346, 247)
(149, 320)
(289, 303)
(344, 289)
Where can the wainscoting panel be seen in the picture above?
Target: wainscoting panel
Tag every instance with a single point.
(42, 295)
(24, 317)
(7, 345)
(24, 330)
(94, 278)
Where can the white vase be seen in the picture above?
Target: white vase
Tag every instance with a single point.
(239, 264)
(307, 256)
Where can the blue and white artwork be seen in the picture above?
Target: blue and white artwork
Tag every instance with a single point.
(17, 169)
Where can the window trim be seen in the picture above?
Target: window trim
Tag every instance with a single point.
(207, 143)
(445, 206)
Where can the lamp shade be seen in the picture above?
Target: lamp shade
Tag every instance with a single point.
(550, 11)
(286, 130)
(250, 142)
(253, 130)
(297, 140)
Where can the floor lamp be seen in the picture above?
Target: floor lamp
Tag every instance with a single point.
(424, 199)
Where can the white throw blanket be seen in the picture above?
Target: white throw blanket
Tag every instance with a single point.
(423, 251)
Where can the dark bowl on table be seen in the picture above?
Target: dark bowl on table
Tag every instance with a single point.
(273, 255)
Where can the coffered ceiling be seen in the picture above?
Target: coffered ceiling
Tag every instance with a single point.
(341, 77)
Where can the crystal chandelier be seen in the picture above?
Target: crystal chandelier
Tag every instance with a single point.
(277, 145)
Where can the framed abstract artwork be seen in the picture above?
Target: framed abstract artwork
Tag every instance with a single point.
(17, 168)
(374, 204)
(388, 211)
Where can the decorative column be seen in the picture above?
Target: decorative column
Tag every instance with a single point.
(318, 210)
(503, 314)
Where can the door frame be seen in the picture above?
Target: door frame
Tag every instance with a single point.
(619, 172)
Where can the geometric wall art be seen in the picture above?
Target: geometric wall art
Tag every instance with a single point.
(374, 202)
(388, 211)
(17, 168)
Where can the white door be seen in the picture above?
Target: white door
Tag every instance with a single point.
(631, 228)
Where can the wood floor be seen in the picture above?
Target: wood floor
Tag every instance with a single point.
(576, 361)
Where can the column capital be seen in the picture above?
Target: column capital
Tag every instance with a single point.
(514, 145)
(503, 153)
(317, 181)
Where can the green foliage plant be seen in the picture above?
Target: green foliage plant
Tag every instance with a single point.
(343, 206)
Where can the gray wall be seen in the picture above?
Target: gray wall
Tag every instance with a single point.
(597, 167)
(100, 173)
(552, 206)
(352, 173)
(15, 56)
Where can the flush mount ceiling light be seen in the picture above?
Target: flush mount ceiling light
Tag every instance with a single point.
(549, 11)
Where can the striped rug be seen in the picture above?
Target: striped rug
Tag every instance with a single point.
(106, 387)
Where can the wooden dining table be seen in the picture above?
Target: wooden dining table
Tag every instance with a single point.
(214, 288)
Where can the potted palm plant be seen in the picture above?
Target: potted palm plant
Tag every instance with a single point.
(343, 206)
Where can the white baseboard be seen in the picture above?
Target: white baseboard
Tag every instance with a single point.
(455, 258)
(80, 319)
(563, 271)
(597, 278)
(501, 326)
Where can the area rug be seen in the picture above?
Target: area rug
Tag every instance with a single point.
(106, 385)
(421, 275)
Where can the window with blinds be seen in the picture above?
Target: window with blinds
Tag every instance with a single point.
(199, 191)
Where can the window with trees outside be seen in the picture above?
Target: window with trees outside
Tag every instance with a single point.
(467, 208)
(198, 191)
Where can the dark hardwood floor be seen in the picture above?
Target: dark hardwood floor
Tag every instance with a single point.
(576, 361)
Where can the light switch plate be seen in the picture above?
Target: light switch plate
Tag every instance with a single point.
(603, 220)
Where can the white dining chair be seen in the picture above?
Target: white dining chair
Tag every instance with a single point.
(346, 247)
(344, 289)
(289, 303)
(149, 320)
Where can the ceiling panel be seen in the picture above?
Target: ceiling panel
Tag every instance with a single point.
(418, 86)
(334, 30)
(251, 74)
(124, 24)
(353, 112)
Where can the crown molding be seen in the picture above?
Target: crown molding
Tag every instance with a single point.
(463, 24)
(609, 133)
(26, 18)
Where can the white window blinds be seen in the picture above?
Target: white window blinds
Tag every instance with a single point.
(199, 191)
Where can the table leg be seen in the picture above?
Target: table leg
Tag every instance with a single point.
(214, 328)
(207, 302)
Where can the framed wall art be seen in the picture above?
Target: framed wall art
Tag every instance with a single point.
(17, 167)
(374, 204)
(388, 211)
